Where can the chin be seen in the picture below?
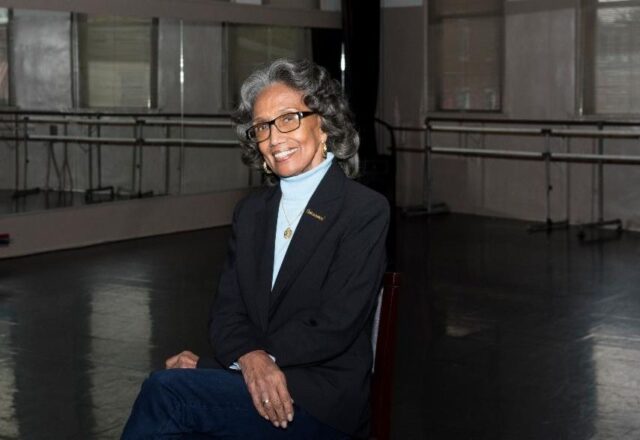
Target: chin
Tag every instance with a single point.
(287, 170)
(287, 173)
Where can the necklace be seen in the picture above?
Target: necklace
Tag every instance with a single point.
(288, 232)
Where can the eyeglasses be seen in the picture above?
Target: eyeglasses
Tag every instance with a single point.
(284, 123)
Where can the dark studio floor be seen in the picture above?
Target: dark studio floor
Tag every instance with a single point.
(502, 334)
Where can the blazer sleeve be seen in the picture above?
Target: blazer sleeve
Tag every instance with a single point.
(349, 294)
(231, 331)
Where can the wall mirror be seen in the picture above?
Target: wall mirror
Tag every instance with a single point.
(96, 108)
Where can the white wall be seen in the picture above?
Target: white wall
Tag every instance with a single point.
(68, 228)
(402, 91)
(540, 82)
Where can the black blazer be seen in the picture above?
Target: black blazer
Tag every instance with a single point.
(317, 319)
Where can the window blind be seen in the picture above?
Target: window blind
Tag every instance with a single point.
(467, 54)
(116, 62)
(616, 61)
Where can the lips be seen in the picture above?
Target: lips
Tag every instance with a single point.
(284, 154)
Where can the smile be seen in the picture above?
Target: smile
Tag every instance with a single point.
(284, 154)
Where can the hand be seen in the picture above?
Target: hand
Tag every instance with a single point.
(186, 359)
(268, 387)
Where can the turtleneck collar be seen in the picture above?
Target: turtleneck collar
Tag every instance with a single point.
(303, 185)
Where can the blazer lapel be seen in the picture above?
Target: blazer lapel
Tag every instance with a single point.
(265, 233)
(321, 212)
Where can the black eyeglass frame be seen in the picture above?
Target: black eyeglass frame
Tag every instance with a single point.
(301, 116)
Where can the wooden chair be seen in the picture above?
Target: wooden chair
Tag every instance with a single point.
(384, 343)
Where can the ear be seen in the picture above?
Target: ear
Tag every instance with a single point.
(323, 135)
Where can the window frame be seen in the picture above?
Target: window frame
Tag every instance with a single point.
(10, 74)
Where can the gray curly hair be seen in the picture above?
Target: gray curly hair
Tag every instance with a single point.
(321, 94)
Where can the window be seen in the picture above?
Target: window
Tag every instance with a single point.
(4, 56)
(611, 31)
(466, 53)
(252, 46)
(117, 62)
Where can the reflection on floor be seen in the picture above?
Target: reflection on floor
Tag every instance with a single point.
(502, 334)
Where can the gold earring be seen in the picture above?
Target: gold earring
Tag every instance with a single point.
(265, 167)
(324, 150)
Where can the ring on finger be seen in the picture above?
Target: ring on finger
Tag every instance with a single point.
(265, 402)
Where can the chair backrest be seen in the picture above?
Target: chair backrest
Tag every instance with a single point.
(384, 343)
(376, 328)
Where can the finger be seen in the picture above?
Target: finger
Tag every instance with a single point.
(177, 361)
(170, 363)
(278, 384)
(255, 393)
(286, 407)
(287, 402)
(257, 403)
(278, 408)
(190, 355)
(268, 405)
(186, 362)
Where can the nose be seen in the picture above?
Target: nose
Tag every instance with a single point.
(275, 135)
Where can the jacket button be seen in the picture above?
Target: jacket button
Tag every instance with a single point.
(313, 322)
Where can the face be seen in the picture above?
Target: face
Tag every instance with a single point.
(292, 153)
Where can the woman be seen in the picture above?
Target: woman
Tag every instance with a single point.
(290, 326)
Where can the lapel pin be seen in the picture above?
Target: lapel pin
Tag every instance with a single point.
(314, 215)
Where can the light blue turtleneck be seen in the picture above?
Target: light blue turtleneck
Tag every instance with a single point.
(296, 192)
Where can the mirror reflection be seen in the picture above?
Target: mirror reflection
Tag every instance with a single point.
(104, 108)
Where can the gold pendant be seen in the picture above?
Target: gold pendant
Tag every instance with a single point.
(288, 233)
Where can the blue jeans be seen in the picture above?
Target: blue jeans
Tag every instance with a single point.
(210, 403)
